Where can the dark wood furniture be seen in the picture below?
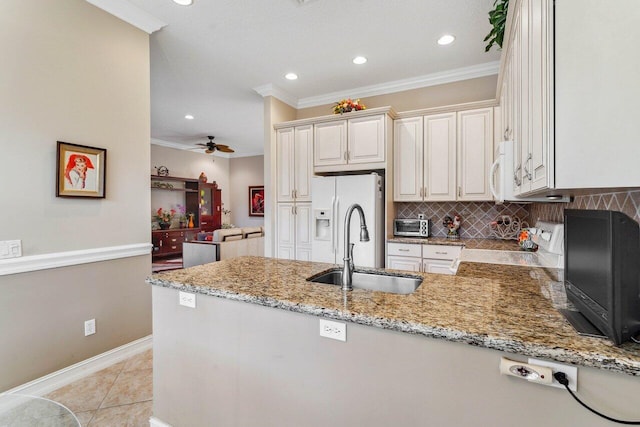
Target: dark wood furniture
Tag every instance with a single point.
(210, 212)
(169, 242)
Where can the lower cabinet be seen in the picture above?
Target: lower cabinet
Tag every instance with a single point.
(169, 242)
(293, 231)
(422, 258)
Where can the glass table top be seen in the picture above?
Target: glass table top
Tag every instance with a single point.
(17, 410)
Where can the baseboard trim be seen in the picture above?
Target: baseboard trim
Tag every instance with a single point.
(154, 422)
(57, 379)
(64, 259)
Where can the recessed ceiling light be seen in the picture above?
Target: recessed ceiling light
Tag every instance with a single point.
(291, 76)
(183, 2)
(446, 39)
(188, 117)
(359, 60)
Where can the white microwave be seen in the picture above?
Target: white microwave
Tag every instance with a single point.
(502, 177)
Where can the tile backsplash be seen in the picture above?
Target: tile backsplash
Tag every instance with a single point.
(623, 201)
(476, 216)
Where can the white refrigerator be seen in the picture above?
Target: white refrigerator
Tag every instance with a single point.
(331, 197)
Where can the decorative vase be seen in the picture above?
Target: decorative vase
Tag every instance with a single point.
(164, 225)
(191, 224)
(202, 178)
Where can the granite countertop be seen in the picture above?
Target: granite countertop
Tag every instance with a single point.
(490, 244)
(502, 307)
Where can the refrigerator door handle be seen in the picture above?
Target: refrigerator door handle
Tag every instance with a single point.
(335, 224)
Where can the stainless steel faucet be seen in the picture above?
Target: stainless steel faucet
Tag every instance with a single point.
(347, 270)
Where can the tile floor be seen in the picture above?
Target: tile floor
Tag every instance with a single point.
(120, 395)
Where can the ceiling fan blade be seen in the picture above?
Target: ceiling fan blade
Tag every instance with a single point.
(208, 151)
(202, 145)
(225, 149)
(222, 145)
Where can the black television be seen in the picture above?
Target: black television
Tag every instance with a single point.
(602, 273)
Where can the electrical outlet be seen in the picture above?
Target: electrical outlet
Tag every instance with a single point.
(570, 371)
(187, 299)
(527, 371)
(89, 327)
(10, 249)
(333, 330)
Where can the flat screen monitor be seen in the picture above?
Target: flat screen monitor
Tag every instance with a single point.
(602, 272)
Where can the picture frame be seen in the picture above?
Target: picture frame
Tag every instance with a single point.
(80, 171)
(256, 200)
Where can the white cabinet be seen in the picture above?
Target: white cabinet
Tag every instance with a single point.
(475, 154)
(350, 144)
(443, 157)
(571, 84)
(422, 258)
(293, 231)
(331, 143)
(294, 166)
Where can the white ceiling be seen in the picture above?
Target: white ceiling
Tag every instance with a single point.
(211, 57)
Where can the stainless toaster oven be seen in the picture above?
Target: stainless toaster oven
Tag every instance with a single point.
(412, 227)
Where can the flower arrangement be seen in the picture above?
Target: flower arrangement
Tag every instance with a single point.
(182, 212)
(347, 105)
(165, 216)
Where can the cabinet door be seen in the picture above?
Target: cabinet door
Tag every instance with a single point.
(540, 96)
(440, 157)
(403, 263)
(285, 231)
(525, 119)
(475, 153)
(303, 231)
(209, 207)
(303, 163)
(285, 164)
(366, 140)
(330, 143)
(437, 266)
(515, 80)
(407, 160)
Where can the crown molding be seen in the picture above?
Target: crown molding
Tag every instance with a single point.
(434, 79)
(130, 13)
(272, 90)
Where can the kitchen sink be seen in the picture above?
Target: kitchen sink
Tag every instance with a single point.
(381, 282)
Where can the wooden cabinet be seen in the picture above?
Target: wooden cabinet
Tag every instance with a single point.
(422, 258)
(573, 98)
(443, 157)
(169, 242)
(351, 144)
(475, 154)
(210, 207)
(293, 231)
(294, 163)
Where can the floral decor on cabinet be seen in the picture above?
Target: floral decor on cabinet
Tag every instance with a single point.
(164, 217)
(347, 105)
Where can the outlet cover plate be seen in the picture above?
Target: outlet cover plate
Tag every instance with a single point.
(89, 327)
(187, 299)
(333, 330)
(10, 249)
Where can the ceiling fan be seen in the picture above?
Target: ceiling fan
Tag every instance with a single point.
(212, 146)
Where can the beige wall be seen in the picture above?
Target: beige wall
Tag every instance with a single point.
(275, 111)
(188, 164)
(71, 72)
(478, 89)
(244, 172)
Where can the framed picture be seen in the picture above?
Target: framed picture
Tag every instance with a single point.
(80, 171)
(256, 201)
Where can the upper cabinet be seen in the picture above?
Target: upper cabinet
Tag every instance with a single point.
(443, 157)
(294, 167)
(360, 142)
(568, 92)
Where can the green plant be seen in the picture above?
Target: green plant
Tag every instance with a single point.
(498, 20)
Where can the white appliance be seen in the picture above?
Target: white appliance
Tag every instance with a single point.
(501, 178)
(331, 197)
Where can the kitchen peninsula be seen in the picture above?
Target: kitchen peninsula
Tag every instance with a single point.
(252, 353)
